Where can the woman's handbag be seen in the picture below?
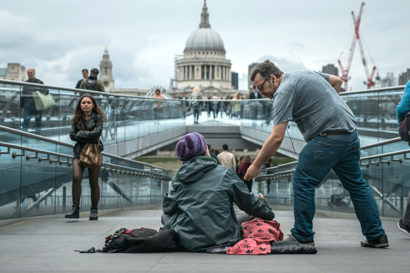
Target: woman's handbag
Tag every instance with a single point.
(42, 101)
(90, 156)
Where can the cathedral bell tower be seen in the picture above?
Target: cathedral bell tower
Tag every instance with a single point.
(106, 71)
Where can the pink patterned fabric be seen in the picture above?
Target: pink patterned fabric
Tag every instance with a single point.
(257, 236)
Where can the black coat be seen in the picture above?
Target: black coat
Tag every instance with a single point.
(79, 83)
(253, 96)
(89, 135)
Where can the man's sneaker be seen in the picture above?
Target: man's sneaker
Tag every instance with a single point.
(380, 242)
(262, 198)
(293, 239)
(402, 226)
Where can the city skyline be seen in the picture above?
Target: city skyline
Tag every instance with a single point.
(143, 37)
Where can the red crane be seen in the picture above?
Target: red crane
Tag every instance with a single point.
(356, 37)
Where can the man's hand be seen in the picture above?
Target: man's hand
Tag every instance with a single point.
(251, 172)
(269, 148)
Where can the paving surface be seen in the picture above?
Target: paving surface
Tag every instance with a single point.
(47, 244)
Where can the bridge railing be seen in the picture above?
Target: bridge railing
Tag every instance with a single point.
(131, 117)
(128, 117)
(375, 111)
(386, 173)
(36, 178)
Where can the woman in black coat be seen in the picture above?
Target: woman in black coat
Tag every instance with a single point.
(86, 127)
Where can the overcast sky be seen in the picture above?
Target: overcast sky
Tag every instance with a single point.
(59, 38)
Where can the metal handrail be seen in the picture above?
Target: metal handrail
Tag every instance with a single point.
(388, 141)
(364, 161)
(108, 166)
(96, 93)
(67, 89)
(268, 176)
(385, 154)
(37, 137)
(124, 95)
(367, 160)
(373, 90)
(281, 165)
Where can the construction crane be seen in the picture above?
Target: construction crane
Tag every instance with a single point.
(356, 37)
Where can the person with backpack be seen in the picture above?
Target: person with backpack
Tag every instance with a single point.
(92, 83)
(402, 110)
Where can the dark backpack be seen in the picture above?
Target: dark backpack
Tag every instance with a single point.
(404, 130)
(90, 84)
(138, 241)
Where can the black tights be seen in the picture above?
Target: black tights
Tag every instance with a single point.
(92, 177)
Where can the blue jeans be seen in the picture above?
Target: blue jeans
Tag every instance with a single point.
(28, 113)
(340, 153)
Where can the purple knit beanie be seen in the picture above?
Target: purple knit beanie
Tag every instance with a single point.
(190, 145)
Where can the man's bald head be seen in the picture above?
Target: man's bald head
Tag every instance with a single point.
(31, 72)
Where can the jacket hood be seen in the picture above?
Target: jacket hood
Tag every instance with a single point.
(195, 168)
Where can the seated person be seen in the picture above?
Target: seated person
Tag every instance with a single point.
(199, 206)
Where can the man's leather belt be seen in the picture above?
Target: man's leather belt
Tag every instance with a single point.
(338, 132)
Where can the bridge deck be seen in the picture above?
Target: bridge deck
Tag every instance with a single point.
(47, 244)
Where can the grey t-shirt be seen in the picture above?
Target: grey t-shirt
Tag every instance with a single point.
(308, 99)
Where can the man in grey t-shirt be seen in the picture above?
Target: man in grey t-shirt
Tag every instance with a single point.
(329, 127)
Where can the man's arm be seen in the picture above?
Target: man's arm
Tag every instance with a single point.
(269, 148)
(78, 83)
(246, 200)
(335, 82)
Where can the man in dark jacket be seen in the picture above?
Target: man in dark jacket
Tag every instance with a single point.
(92, 83)
(27, 101)
(85, 77)
(200, 203)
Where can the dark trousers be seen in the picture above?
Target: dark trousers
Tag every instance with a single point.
(342, 154)
(196, 115)
(28, 113)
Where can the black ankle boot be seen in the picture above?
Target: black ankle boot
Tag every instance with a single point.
(94, 214)
(74, 213)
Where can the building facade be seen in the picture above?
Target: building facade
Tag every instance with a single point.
(388, 81)
(235, 80)
(330, 69)
(204, 63)
(404, 77)
(250, 67)
(13, 72)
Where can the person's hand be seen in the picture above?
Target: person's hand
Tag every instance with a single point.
(251, 173)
